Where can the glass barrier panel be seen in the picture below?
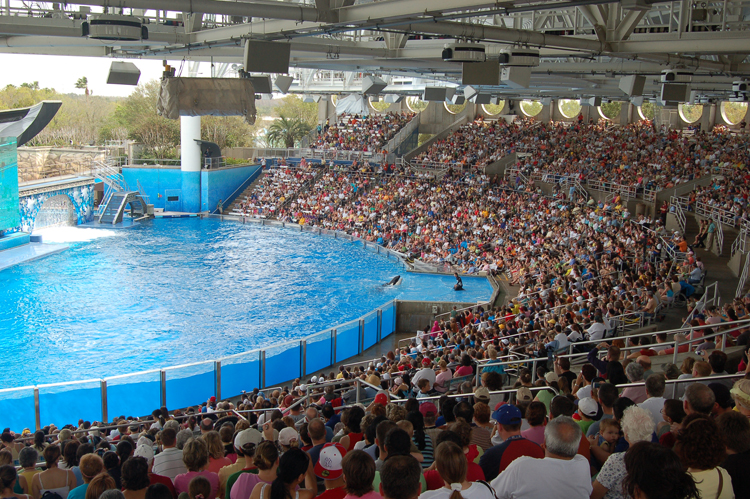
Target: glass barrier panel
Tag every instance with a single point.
(67, 403)
(240, 372)
(347, 340)
(133, 395)
(389, 320)
(190, 385)
(371, 330)
(318, 354)
(283, 363)
(17, 409)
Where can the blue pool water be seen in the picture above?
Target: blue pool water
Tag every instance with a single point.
(172, 292)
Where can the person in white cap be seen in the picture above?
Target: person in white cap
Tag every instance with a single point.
(330, 469)
(288, 438)
(246, 443)
(588, 408)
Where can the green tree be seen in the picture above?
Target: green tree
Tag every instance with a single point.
(32, 86)
(734, 112)
(493, 109)
(648, 110)
(691, 113)
(611, 110)
(228, 131)
(569, 108)
(455, 108)
(292, 107)
(285, 132)
(83, 84)
(379, 105)
(531, 107)
(416, 104)
(137, 114)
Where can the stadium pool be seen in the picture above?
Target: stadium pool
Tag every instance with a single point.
(172, 292)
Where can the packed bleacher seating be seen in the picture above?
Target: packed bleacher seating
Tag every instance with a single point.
(483, 403)
(360, 133)
(276, 186)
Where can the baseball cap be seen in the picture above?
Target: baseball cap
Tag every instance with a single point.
(287, 436)
(523, 394)
(482, 393)
(427, 408)
(144, 450)
(551, 376)
(246, 437)
(381, 398)
(426, 361)
(212, 399)
(588, 407)
(507, 414)
(329, 462)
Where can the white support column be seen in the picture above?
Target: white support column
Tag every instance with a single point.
(190, 163)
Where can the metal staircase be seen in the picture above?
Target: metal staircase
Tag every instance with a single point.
(114, 210)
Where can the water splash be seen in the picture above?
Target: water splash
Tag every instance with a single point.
(73, 234)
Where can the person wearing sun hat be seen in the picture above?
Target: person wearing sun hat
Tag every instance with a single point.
(588, 408)
(330, 470)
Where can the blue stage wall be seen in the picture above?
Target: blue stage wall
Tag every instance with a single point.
(9, 215)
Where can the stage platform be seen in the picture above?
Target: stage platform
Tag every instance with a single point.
(27, 253)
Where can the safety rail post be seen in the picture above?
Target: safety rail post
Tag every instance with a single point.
(103, 388)
(335, 334)
(217, 378)
(163, 388)
(361, 336)
(357, 386)
(263, 368)
(303, 358)
(380, 325)
(37, 412)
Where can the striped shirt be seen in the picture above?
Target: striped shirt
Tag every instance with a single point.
(169, 463)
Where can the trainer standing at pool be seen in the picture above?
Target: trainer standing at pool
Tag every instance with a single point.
(459, 283)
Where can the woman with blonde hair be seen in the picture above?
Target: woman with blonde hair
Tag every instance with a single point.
(451, 464)
(216, 459)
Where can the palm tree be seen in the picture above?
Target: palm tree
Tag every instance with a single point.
(83, 84)
(287, 131)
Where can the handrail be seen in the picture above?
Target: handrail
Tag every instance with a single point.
(743, 277)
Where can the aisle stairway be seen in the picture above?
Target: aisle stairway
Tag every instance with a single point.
(234, 208)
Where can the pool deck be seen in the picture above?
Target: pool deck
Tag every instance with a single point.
(28, 253)
(127, 223)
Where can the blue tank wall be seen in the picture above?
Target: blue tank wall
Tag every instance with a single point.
(221, 184)
(208, 186)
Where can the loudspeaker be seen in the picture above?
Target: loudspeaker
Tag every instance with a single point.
(633, 85)
(458, 99)
(261, 84)
(483, 98)
(372, 85)
(470, 92)
(546, 101)
(267, 57)
(283, 83)
(434, 94)
(449, 93)
(123, 73)
(637, 101)
(674, 92)
(480, 73)
(591, 101)
(393, 98)
(516, 76)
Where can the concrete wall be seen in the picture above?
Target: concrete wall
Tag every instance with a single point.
(412, 316)
(40, 162)
(455, 125)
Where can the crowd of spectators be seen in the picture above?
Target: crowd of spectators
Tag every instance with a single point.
(274, 188)
(360, 133)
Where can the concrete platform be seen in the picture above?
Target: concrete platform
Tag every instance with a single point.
(27, 253)
(14, 240)
(174, 214)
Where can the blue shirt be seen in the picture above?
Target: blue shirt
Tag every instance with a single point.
(78, 492)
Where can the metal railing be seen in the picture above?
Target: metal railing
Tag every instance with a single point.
(716, 214)
(743, 278)
(710, 297)
(680, 206)
(318, 154)
(740, 243)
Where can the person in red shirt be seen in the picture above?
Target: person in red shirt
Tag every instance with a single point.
(508, 419)
(329, 468)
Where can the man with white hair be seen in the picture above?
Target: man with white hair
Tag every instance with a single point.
(561, 474)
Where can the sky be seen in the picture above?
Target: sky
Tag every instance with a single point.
(62, 72)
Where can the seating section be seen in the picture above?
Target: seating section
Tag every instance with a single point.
(361, 133)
